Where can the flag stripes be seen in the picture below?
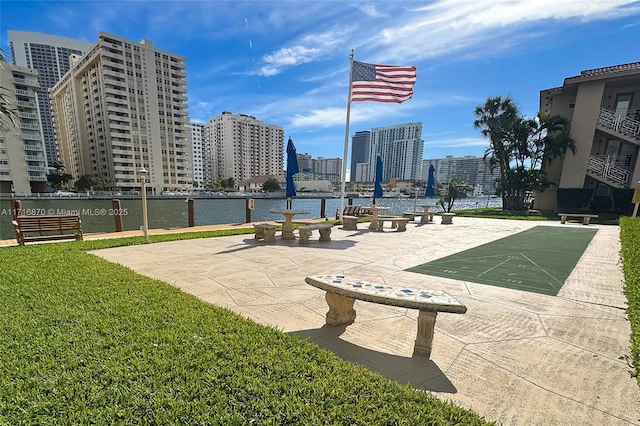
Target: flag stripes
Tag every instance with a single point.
(382, 83)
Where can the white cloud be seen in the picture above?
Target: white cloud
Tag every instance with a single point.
(455, 143)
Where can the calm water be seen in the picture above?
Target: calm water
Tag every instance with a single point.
(97, 215)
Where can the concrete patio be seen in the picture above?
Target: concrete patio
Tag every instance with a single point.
(516, 357)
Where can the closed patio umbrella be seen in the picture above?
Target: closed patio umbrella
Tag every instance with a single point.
(431, 180)
(292, 169)
(377, 187)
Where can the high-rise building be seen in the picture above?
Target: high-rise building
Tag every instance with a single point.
(242, 147)
(400, 147)
(49, 55)
(121, 107)
(328, 169)
(196, 140)
(472, 170)
(22, 161)
(360, 143)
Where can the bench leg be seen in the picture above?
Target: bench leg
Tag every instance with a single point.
(340, 309)
(563, 219)
(585, 220)
(424, 219)
(424, 339)
(270, 235)
(304, 236)
(259, 233)
(325, 235)
(350, 224)
(402, 226)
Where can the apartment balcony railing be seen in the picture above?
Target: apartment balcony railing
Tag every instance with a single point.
(608, 170)
(626, 125)
(27, 82)
(26, 104)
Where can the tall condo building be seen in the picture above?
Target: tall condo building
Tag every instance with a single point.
(400, 147)
(242, 147)
(472, 170)
(360, 143)
(49, 55)
(22, 162)
(120, 108)
(196, 132)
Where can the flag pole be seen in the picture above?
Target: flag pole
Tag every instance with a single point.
(346, 138)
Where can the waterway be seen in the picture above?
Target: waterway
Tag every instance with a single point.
(98, 215)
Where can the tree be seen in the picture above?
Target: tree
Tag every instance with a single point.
(57, 178)
(450, 192)
(519, 147)
(271, 185)
(97, 182)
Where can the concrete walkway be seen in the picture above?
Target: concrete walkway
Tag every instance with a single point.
(516, 357)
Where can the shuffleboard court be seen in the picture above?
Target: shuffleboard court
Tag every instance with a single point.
(538, 260)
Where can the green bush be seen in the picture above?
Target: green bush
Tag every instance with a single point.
(601, 204)
(572, 200)
(630, 253)
(622, 201)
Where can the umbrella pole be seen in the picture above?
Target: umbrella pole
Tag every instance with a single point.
(288, 203)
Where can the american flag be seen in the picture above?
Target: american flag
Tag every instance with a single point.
(382, 83)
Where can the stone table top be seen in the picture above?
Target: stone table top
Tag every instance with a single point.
(424, 300)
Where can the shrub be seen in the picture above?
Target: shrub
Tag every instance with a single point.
(601, 204)
(630, 253)
(573, 199)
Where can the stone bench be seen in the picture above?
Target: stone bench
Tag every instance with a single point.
(585, 217)
(306, 230)
(399, 222)
(47, 228)
(266, 231)
(343, 291)
(425, 217)
(350, 223)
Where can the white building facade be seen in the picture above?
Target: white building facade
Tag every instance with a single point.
(22, 160)
(49, 55)
(196, 141)
(400, 147)
(472, 170)
(120, 108)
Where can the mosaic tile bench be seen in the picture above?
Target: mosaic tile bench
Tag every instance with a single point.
(342, 292)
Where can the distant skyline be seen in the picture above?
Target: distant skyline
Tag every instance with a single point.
(287, 62)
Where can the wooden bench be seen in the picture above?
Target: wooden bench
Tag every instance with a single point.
(350, 223)
(425, 217)
(306, 230)
(396, 221)
(343, 291)
(47, 228)
(266, 231)
(585, 217)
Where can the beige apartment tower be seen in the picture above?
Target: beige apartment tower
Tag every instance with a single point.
(22, 159)
(120, 108)
(603, 105)
(241, 147)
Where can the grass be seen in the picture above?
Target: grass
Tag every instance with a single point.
(630, 254)
(495, 213)
(86, 341)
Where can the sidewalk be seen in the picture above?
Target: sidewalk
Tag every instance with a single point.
(520, 358)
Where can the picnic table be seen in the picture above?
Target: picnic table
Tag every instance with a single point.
(287, 226)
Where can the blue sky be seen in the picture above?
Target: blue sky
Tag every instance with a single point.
(287, 62)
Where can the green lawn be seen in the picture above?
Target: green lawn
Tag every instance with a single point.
(85, 341)
(538, 260)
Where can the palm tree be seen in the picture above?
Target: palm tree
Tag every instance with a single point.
(520, 147)
(493, 119)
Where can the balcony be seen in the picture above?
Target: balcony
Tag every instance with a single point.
(36, 169)
(30, 126)
(622, 125)
(25, 104)
(31, 136)
(26, 82)
(609, 171)
(38, 158)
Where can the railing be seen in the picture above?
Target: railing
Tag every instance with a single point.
(621, 124)
(608, 170)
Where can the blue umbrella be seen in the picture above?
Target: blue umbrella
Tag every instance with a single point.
(292, 169)
(377, 188)
(431, 192)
